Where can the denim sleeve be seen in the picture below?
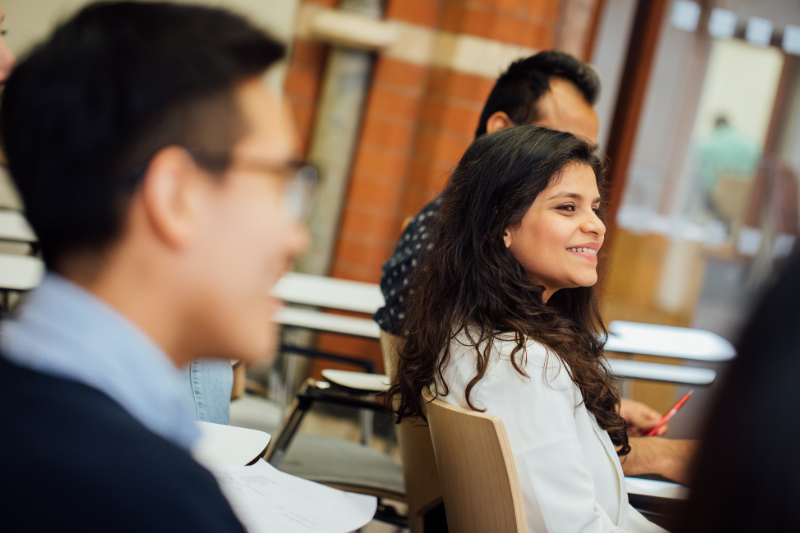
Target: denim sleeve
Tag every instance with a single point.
(208, 389)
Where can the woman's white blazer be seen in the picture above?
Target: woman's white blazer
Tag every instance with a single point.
(570, 474)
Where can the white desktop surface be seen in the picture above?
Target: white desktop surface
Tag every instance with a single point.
(658, 489)
(322, 291)
(683, 375)
(14, 227)
(626, 337)
(668, 341)
(229, 444)
(376, 383)
(20, 272)
(327, 322)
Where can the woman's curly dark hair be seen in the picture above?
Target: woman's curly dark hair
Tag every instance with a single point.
(470, 282)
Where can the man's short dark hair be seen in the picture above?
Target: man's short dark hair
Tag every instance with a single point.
(85, 111)
(519, 88)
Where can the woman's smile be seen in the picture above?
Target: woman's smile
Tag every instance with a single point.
(563, 218)
(587, 251)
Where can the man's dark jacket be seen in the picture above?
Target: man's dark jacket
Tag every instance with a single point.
(72, 459)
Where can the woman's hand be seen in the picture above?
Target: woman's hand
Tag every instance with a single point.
(665, 457)
(640, 418)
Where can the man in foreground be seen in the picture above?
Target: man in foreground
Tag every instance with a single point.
(154, 166)
(555, 90)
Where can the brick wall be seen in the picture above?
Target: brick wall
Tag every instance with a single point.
(528, 23)
(418, 121)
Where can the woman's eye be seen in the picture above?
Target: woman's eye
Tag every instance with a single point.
(567, 207)
(596, 210)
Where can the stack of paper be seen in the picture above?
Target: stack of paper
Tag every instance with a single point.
(267, 500)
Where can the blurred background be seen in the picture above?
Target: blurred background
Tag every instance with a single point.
(699, 115)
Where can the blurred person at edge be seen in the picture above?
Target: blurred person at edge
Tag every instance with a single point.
(157, 170)
(556, 90)
(7, 63)
(746, 478)
(7, 59)
(207, 382)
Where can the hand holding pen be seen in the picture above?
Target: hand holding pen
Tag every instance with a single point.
(669, 414)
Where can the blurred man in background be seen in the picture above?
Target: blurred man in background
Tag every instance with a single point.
(155, 168)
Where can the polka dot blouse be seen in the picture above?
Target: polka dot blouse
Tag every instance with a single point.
(396, 272)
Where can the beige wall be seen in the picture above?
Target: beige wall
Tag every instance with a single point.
(741, 83)
(29, 21)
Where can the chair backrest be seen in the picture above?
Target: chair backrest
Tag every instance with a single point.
(479, 479)
(423, 491)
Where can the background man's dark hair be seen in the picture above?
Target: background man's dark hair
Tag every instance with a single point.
(83, 114)
(519, 88)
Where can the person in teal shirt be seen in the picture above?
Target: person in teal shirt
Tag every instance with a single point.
(727, 152)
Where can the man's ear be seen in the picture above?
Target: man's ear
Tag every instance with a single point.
(169, 195)
(498, 121)
(507, 238)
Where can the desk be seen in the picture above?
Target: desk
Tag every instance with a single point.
(20, 272)
(668, 341)
(322, 291)
(327, 322)
(366, 328)
(229, 444)
(681, 375)
(660, 502)
(656, 489)
(358, 382)
(15, 228)
(626, 337)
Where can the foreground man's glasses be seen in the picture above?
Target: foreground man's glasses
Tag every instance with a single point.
(300, 177)
(299, 193)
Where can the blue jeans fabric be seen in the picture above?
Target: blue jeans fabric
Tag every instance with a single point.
(209, 384)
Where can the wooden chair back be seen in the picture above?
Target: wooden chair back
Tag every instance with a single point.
(423, 491)
(477, 472)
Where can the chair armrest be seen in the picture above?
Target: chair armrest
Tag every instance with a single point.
(358, 382)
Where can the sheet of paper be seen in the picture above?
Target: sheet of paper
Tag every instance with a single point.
(267, 500)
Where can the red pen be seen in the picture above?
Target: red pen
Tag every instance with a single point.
(670, 414)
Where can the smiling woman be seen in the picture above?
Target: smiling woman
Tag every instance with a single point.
(557, 240)
(502, 318)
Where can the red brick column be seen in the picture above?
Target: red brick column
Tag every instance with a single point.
(524, 22)
(371, 214)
